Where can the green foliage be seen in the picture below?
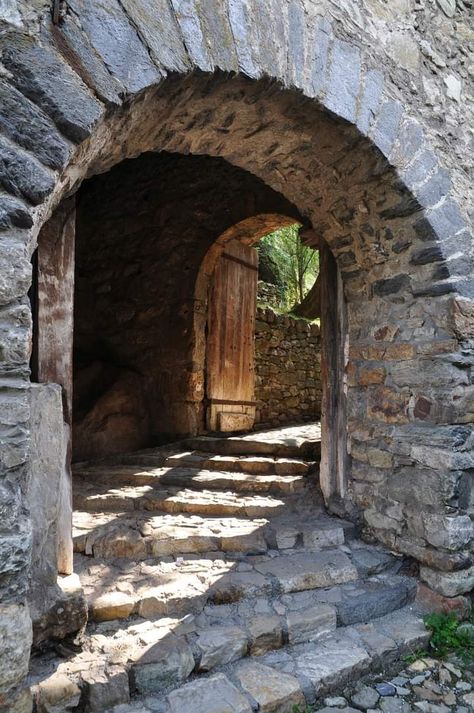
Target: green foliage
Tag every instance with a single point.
(418, 654)
(447, 638)
(293, 265)
(297, 709)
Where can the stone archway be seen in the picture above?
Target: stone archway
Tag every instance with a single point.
(355, 163)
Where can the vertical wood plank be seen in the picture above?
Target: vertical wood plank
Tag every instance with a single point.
(230, 360)
(54, 343)
(333, 365)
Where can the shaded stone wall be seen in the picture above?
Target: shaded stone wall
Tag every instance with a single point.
(143, 231)
(287, 369)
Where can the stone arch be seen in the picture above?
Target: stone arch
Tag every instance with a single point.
(73, 94)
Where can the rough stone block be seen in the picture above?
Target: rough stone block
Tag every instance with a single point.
(14, 213)
(371, 96)
(111, 605)
(311, 623)
(211, 695)
(239, 18)
(446, 219)
(220, 645)
(22, 175)
(274, 691)
(216, 28)
(117, 42)
(343, 80)
(436, 188)
(386, 126)
(43, 77)
(57, 694)
(16, 639)
(23, 123)
(102, 691)
(167, 662)
(303, 571)
(433, 601)
(322, 39)
(155, 21)
(187, 13)
(265, 633)
(449, 584)
(332, 664)
(63, 610)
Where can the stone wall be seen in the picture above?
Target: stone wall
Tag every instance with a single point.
(364, 124)
(143, 231)
(287, 366)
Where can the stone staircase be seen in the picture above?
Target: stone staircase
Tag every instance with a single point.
(199, 557)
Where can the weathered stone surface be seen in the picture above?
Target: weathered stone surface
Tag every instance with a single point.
(117, 42)
(57, 694)
(361, 603)
(265, 634)
(112, 605)
(167, 662)
(62, 612)
(310, 624)
(332, 664)
(343, 81)
(13, 213)
(275, 692)
(303, 571)
(15, 638)
(212, 695)
(102, 690)
(22, 175)
(41, 76)
(220, 645)
(449, 584)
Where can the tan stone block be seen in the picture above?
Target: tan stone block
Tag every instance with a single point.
(111, 605)
(57, 694)
(265, 633)
(274, 691)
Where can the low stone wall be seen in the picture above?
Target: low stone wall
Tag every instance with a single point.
(287, 364)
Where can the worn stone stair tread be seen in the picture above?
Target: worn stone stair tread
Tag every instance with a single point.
(256, 465)
(176, 586)
(191, 477)
(174, 499)
(156, 659)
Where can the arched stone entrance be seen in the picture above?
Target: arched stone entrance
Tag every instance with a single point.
(352, 161)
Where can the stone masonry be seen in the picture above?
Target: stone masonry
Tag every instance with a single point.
(287, 369)
(359, 113)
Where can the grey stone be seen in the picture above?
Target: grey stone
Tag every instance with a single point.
(220, 645)
(453, 87)
(23, 175)
(449, 584)
(436, 188)
(296, 46)
(395, 705)
(303, 571)
(370, 99)
(75, 47)
(332, 663)
(448, 7)
(374, 599)
(117, 42)
(217, 30)
(102, 691)
(188, 17)
(365, 697)
(155, 21)
(25, 124)
(16, 639)
(265, 633)
(211, 695)
(57, 694)
(39, 74)
(419, 170)
(322, 38)
(391, 285)
(343, 80)
(409, 141)
(14, 213)
(385, 129)
(239, 18)
(386, 689)
(163, 664)
(335, 702)
(446, 220)
(274, 691)
(310, 624)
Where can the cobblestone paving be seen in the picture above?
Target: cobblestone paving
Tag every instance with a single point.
(426, 686)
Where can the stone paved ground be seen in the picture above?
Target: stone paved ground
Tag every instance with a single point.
(426, 686)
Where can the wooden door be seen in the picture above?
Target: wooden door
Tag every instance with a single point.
(230, 360)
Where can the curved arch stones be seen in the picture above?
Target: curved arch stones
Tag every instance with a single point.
(60, 88)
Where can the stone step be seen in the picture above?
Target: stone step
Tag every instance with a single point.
(154, 660)
(143, 535)
(195, 478)
(175, 586)
(255, 465)
(100, 497)
(303, 442)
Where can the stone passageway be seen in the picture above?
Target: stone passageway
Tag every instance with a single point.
(213, 559)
